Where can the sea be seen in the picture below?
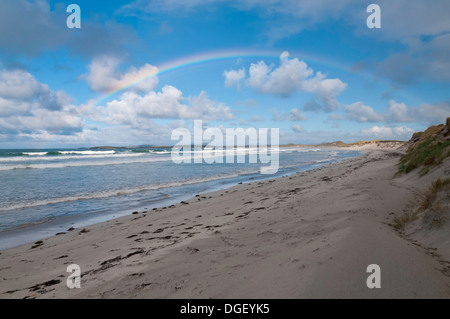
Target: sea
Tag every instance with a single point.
(45, 192)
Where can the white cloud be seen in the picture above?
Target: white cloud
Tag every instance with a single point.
(153, 133)
(388, 133)
(19, 84)
(27, 105)
(294, 76)
(362, 113)
(13, 107)
(103, 76)
(399, 113)
(288, 78)
(66, 121)
(326, 90)
(135, 110)
(233, 78)
(201, 107)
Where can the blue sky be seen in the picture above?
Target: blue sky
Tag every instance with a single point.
(311, 68)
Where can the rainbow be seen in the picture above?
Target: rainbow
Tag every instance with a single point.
(212, 57)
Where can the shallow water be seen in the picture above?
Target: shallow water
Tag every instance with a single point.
(43, 192)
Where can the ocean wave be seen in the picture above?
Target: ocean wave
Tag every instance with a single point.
(59, 157)
(80, 163)
(75, 159)
(86, 152)
(136, 159)
(35, 153)
(111, 159)
(119, 192)
(155, 187)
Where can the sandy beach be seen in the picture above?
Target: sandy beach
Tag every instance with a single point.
(308, 235)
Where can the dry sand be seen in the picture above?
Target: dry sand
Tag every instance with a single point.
(310, 235)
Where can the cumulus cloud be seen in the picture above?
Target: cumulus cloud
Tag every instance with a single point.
(19, 90)
(202, 107)
(362, 113)
(104, 77)
(294, 76)
(29, 106)
(399, 113)
(64, 122)
(389, 133)
(19, 84)
(135, 110)
(233, 78)
(288, 78)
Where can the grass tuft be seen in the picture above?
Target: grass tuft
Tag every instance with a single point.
(432, 208)
(400, 222)
(427, 154)
(435, 202)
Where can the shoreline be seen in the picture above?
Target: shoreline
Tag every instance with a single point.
(309, 235)
(29, 233)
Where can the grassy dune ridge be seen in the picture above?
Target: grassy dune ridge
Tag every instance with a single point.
(425, 152)
(427, 149)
